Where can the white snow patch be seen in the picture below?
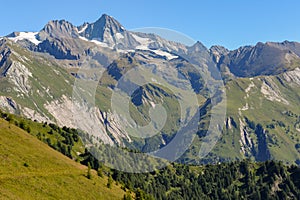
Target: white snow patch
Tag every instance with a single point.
(83, 29)
(119, 36)
(144, 42)
(124, 51)
(102, 44)
(83, 38)
(31, 36)
(141, 40)
(142, 47)
(163, 53)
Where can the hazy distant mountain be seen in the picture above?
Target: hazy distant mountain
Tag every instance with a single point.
(261, 59)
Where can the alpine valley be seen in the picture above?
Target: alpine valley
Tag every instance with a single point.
(38, 71)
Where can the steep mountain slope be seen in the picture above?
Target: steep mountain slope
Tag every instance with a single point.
(24, 87)
(31, 170)
(262, 120)
(266, 113)
(40, 72)
(262, 59)
(109, 31)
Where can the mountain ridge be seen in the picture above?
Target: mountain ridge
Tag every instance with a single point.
(258, 79)
(56, 38)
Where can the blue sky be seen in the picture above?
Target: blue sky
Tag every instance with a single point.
(231, 23)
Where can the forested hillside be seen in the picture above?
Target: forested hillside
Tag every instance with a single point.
(29, 165)
(29, 169)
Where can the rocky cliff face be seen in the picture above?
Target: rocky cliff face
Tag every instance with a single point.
(60, 39)
(109, 31)
(217, 52)
(261, 59)
(5, 62)
(58, 29)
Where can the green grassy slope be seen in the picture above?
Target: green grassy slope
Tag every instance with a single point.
(276, 110)
(29, 169)
(278, 119)
(271, 102)
(34, 87)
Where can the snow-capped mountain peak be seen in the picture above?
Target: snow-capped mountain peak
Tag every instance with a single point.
(106, 29)
(30, 36)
